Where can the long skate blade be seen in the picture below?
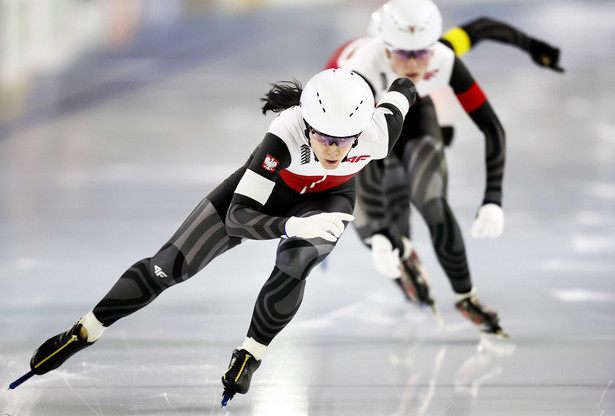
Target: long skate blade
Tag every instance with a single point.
(20, 380)
(496, 334)
(437, 315)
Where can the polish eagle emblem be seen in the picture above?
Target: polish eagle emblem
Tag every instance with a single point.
(270, 163)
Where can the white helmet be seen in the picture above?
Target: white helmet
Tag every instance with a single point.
(373, 28)
(408, 24)
(337, 102)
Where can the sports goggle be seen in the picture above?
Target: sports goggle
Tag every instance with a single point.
(418, 54)
(330, 140)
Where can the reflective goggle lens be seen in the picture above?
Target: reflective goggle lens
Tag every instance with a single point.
(418, 54)
(329, 140)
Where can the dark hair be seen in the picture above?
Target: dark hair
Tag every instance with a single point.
(281, 96)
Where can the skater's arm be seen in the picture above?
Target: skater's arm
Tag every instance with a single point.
(475, 103)
(244, 217)
(395, 105)
(464, 37)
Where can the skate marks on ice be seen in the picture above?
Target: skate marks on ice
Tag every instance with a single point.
(407, 319)
(416, 352)
(382, 314)
(12, 404)
(25, 400)
(406, 401)
(481, 365)
(98, 410)
(127, 388)
(599, 404)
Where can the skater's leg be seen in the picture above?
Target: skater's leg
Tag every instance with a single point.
(200, 238)
(393, 253)
(397, 197)
(371, 210)
(277, 303)
(427, 167)
(383, 203)
(427, 171)
(280, 298)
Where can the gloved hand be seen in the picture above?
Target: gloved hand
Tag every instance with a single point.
(384, 257)
(545, 55)
(406, 88)
(327, 225)
(489, 221)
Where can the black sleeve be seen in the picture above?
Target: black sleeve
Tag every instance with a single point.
(487, 28)
(244, 218)
(475, 103)
(483, 28)
(395, 121)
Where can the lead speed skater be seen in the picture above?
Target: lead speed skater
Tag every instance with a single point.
(406, 40)
(297, 186)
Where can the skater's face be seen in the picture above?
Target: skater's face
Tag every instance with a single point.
(330, 151)
(410, 64)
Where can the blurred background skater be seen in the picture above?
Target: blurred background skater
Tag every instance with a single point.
(297, 186)
(406, 41)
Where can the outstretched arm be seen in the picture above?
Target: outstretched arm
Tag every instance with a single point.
(462, 38)
(490, 218)
(475, 103)
(398, 100)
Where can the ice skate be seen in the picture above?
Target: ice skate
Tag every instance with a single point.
(56, 350)
(485, 318)
(239, 374)
(414, 282)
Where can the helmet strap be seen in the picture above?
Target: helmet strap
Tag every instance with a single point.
(306, 132)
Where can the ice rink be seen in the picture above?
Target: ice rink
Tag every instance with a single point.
(101, 159)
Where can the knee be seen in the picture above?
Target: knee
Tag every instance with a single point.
(435, 211)
(168, 266)
(297, 258)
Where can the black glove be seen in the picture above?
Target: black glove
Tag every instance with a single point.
(545, 55)
(448, 132)
(406, 87)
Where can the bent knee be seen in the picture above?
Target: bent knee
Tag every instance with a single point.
(297, 258)
(435, 211)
